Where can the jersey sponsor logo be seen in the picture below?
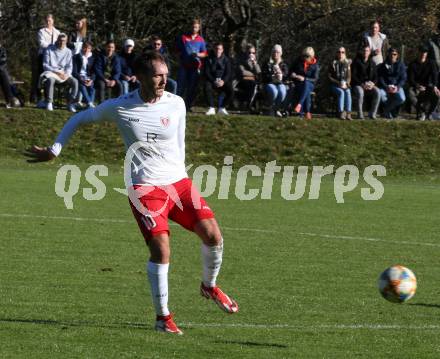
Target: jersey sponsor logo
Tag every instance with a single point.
(165, 121)
(132, 119)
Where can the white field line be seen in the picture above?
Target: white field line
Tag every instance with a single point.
(240, 229)
(311, 327)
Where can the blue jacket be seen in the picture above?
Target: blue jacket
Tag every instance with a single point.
(391, 74)
(115, 65)
(77, 63)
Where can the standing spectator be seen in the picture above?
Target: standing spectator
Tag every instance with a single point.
(249, 73)
(77, 37)
(46, 36)
(434, 47)
(157, 45)
(192, 51)
(274, 75)
(364, 82)
(422, 80)
(57, 65)
(108, 72)
(218, 77)
(83, 71)
(305, 73)
(128, 78)
(391, 78)
(5, 82)
(339, 75)
(434, 54)
(377, 41)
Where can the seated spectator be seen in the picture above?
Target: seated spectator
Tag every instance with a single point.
(274, 76)
(5, 82)
(157, 45)
(218, 78)
(305, 73)
(192, 51)
(422, 80)
(364, 82)
(377, 42)
(46, 36)
(434, 54)
(339, 75)
(57, 65)
(249, 73)
(108, 72)
(83, 71)
(391, 79)
(77, 37)
(128, 79)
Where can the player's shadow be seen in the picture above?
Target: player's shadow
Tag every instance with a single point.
(427, 305)
(67, 324)
(253, 344)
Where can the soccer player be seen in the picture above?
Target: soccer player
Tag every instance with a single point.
(152, 124)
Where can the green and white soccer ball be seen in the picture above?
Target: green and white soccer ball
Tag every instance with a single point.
(397, 284)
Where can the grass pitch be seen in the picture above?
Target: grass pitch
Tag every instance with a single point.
(73, 283)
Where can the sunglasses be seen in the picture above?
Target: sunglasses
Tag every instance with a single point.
(252, 52)
(157, 44)
(341, 52)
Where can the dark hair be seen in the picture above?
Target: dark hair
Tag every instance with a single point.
(155, 38)
(392, 49)
(110, 42)
(374, 22)
(86, 44)
(143, 63)
(219, 44)
(423, 48)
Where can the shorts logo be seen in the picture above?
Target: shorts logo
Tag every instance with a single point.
(165, 121)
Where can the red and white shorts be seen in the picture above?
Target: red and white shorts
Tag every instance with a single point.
(180, 201)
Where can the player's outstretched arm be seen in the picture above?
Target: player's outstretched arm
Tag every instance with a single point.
(43, 154)
(39, 154)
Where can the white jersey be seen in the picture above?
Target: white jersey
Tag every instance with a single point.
(157, 128)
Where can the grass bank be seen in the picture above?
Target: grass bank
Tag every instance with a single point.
(403, 147)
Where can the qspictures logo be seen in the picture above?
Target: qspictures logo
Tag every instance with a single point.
(228, 181)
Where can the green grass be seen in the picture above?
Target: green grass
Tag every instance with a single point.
(404, 147)
(303, 272)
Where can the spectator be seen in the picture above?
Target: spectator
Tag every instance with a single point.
(77, 37)
(377, 41)
(128, 79)
(5, 82)
(218, 77)
(192, 51)
(305, 73)
(46, 36)
(108, 72)
(57, 65)
(391, 79)
(249, 73)
(157, 45)
(339, 75)
(434, 54)
(434, 47)
(274, 75)
(364, 82)
(422, 79)
(83, 71)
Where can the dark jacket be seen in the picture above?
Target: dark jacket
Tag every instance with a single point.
(3, 56)
(100, 64)
(268, 71)
(391, 74)
(248, 69)
(362, 72)
(72, 37)
(311, 72)
(77, 64)
(424, 74)
(340, 71)
(127, 61)
(218, 68)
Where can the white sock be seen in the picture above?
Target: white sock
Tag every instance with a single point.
(212, 261)
(158, 277)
